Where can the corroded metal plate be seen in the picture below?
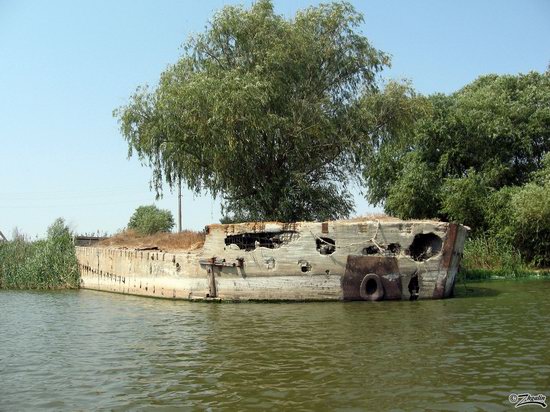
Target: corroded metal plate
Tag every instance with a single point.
(358, 267)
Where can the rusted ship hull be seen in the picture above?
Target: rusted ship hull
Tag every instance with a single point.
(343, 260)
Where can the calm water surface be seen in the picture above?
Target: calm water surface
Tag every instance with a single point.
(85, 350)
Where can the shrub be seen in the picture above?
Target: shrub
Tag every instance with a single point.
(147, 220)
(531, 222)
(517, 220)
(488, 255)
(43, 264)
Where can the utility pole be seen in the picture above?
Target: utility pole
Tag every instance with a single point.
(179, 204)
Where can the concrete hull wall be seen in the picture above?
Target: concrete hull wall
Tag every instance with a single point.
(300, 261)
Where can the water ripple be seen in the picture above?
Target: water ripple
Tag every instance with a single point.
(84, 350)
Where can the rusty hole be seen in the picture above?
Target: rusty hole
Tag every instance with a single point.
(370, 250)
(414, 287)
(325, 245)
(394, 248)
(251, 241)
(425, 246)
(305, 266)
(390, 250)
(371, 286)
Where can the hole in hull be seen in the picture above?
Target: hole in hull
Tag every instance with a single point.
(305, 266)
(425, 246)
(392, 249)
(371, 286)
(251, 241)
(325, 245)
(370, 250)
(414, 287)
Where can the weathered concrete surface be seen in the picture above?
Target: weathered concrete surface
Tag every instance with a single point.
(299, 261)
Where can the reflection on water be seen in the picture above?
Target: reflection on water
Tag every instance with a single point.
(86, 350)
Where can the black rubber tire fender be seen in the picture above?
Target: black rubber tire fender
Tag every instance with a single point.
(377, 294)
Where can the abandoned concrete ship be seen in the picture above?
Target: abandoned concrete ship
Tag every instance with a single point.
(361, 259)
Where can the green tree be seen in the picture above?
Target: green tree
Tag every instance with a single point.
(147, 220)
(265, 111)
(464, 148)
(530, 217)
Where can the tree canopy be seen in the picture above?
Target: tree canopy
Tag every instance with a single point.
(148, 220)
(477, 157)
(265, 111)
(490, 134)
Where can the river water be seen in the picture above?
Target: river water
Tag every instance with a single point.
(85, 350)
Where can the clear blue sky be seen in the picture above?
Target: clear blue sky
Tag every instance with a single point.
(65, 65)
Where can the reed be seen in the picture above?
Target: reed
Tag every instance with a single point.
(486, 257)
(42, 264)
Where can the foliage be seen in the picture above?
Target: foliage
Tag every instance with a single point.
(269, 112)
(520, 216)
(148, 220)
(491, 134)
(485, 254)
(487, 257)
(412, 194)
(43, 264)
(530, 222)
(477, 157)
(465, 199)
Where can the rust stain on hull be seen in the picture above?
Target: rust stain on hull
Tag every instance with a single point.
(446, 259)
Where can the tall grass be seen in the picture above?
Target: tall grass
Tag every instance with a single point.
(486, 257)
(42, 264)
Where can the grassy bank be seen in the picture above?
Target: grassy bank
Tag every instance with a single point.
(486, 258)
(42, 264)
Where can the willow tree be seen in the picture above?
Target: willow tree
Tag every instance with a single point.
(262, 110)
